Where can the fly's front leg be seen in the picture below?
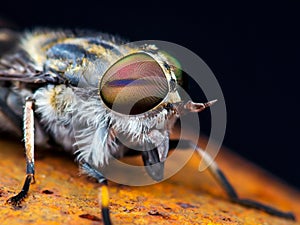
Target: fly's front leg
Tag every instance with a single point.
(103, 191)
(29, 152)
(224, 182)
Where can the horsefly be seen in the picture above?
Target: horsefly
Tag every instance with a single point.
(92, 94)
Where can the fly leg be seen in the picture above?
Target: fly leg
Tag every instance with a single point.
(103, 192)
(224, 182)
(29, 152)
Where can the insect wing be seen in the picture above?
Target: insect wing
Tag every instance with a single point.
(15, 64)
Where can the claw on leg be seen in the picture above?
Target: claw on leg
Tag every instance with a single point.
(17, 199)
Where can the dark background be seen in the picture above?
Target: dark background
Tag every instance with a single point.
(253, 50)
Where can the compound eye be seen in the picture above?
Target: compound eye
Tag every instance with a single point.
(133, 85)
(175, 64)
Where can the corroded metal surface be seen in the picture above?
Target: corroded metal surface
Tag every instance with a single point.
(61, 196)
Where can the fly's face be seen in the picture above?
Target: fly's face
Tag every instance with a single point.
(140, 93)
(139, 89)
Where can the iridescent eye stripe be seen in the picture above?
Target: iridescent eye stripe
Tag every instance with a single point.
(125, 82)
(131, 82)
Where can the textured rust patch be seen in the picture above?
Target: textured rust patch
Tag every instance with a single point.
(61, 196)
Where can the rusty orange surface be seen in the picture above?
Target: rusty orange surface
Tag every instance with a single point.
(61, 196)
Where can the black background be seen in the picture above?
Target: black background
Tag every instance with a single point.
(253, 50)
